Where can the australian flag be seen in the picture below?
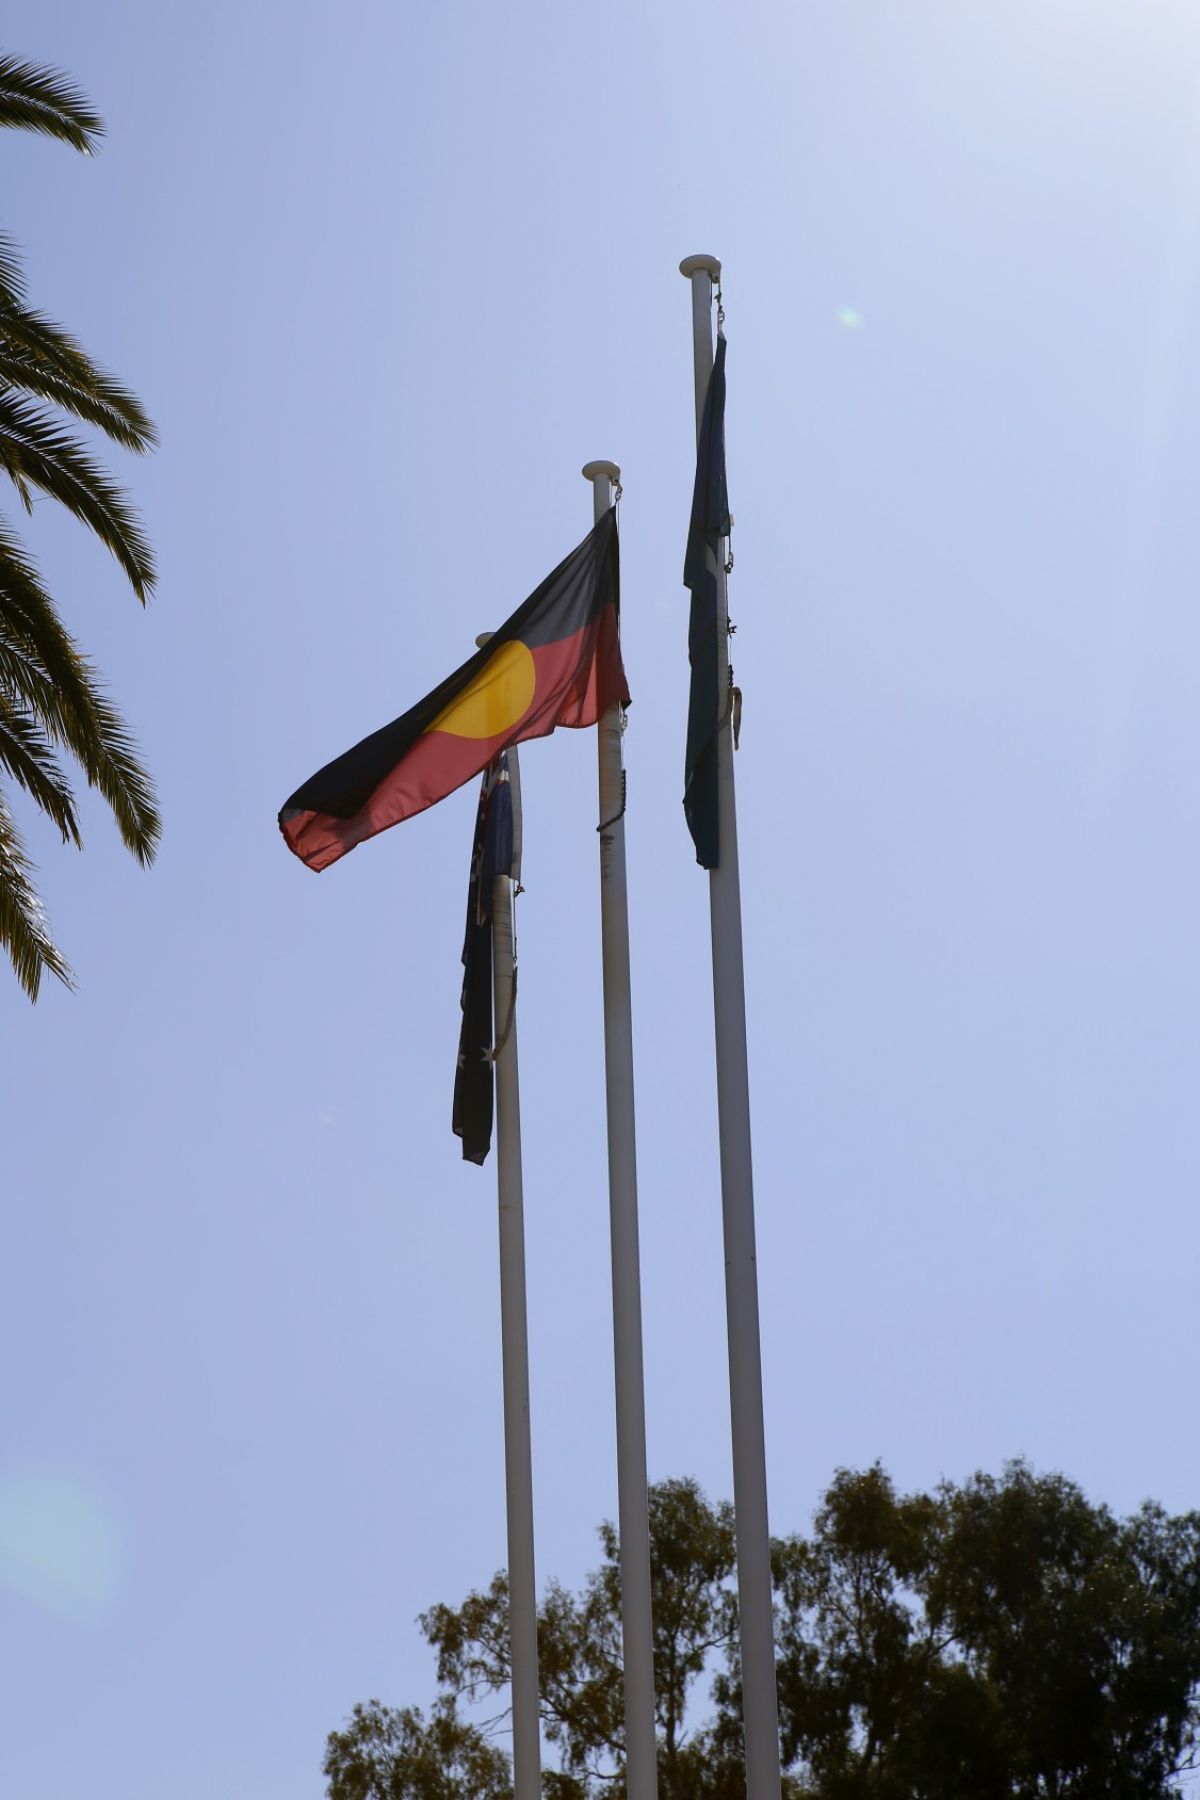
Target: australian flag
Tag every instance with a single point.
(706, 706)
(493, 853)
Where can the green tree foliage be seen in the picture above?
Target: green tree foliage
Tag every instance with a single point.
(1003, 1638)
(389, 1755)
(579, 1644)
(51, 699)
(1000, 1640)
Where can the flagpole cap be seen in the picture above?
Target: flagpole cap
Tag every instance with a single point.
(483, 638)
(591, 471)
(692, 265)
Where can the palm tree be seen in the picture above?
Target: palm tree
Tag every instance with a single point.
(50, 695)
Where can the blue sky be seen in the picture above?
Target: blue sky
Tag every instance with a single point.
(387, 277)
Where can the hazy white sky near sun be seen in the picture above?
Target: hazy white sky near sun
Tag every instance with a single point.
(387, 276)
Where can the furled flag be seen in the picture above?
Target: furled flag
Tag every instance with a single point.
(557, 661)
(706, 705)
(494, 852)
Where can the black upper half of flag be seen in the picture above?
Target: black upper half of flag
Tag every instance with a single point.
(493, 852)
(710, 523)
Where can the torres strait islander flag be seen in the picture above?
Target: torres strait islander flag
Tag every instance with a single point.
(557, 661)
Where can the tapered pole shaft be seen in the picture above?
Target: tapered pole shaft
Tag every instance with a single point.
(756, 1621)
(514, 1337)
(637, 1630)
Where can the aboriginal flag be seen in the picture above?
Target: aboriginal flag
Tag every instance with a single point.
(493, 853)
(706, 705)
(557, 661)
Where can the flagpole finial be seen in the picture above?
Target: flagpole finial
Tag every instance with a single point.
(483, 638)
(692, 265)
(591, 470)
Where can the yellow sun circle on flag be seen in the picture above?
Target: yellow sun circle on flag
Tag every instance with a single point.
(499, 695)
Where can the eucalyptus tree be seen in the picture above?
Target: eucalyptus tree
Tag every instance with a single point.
(51, 698)
(1002, 1639)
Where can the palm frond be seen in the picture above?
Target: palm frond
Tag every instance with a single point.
(44, 670)
(24, 932)
(45, 100)
(119, 777)
(28, 616)
(24, 491)
(51, 698)
(25, 752)
(38, 357)
(12, 275)
(37, 451)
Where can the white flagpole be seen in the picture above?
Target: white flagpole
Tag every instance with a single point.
(637, 1633)
(760, 1708)
(514, 1340)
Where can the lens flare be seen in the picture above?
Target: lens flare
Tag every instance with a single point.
(851, 319)
(58, 1546)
